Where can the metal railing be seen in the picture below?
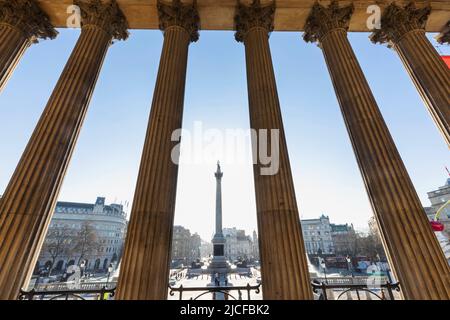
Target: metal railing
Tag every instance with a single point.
(70, 291)
(381, 291)
(226, 291)
(61, 286)
(358, 288)
(352, 280)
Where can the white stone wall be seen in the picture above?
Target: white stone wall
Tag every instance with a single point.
(317, 235)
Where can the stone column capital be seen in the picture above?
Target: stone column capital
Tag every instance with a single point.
(181, 15)
(253, 16)
(104, 15)
(323, 20)
(444, 35)
(28, 17)
(397, 21)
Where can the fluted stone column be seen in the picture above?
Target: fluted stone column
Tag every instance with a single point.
(145, 265)
(284, 267)
(403, 29)
(27, 205)
(22, 23)
(412, 248)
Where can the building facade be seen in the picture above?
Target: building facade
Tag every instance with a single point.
(238, 245)
(186, 247)
(255, 245)
(206, 249)
(343, 237)
(317, 236)
(84, 232)
(438, 198)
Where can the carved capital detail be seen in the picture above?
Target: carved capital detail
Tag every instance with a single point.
(397, 21)
(105, 15)
(179, 14)
(28, 17)
(322, 20)
(444, 36)
(255, 15)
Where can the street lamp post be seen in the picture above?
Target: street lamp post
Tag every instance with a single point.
(47, 272)
(324, 267)
(82, 265)
(110, 269)
(349, 265)
(39, 274)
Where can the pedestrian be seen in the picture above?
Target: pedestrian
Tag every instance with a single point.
(320, 291)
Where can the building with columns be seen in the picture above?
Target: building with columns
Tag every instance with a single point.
(30, 197)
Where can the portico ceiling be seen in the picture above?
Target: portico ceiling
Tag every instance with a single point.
(219, 14)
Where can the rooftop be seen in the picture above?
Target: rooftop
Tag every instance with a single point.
(63, 206)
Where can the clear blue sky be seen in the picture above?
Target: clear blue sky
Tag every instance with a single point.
(326, 176)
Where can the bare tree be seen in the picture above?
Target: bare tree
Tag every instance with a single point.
(85, 241)
(353, 243)
(369, 245)
(375, 243)
(57, 244)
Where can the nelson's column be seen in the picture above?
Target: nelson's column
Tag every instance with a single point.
(218, 262)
